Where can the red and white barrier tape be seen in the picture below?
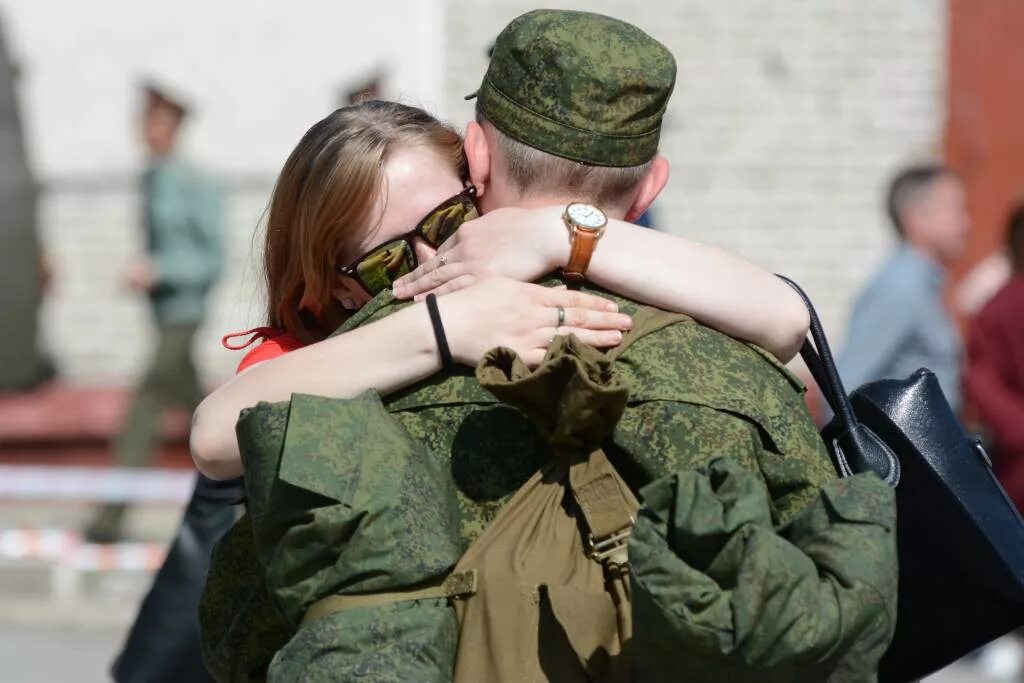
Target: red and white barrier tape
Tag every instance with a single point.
(94, 484)
(64, 546)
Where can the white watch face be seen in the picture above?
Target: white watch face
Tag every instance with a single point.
(586, 216)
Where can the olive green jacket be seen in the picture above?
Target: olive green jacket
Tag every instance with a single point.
(695, 396)
(183, 216)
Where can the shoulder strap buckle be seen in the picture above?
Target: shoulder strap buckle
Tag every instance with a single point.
(611, 547)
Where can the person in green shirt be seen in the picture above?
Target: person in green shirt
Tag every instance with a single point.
(183, 223)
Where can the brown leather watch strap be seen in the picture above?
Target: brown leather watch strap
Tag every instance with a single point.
(583, 244)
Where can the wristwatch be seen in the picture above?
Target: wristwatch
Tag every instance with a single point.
(585, 223)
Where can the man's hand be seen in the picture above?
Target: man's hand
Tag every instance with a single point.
(520, 244)
(141, 275)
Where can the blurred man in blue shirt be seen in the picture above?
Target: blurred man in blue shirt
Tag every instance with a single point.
(900, 322)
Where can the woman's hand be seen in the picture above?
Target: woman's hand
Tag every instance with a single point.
(525, 318)
(521, 244)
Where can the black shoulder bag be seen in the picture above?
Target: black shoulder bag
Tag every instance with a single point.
(960, 538)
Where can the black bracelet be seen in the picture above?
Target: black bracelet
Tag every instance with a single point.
(442, 340)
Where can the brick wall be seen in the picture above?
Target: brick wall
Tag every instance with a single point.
(787, 120)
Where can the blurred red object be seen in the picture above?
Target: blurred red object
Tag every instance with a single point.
(75, 424)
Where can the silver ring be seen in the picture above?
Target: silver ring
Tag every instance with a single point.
(552, 340)
(442, 259)
(561, 317)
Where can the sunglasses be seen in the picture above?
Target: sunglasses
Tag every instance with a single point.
(377, 269)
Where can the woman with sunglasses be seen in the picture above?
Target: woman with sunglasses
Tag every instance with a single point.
(368, 196)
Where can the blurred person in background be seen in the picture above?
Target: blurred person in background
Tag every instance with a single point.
(981, 283)
(162, 645)
(994, 381)
(183, 235)
(23, 268)
(370, 89)
(183, 223)
(900, 322)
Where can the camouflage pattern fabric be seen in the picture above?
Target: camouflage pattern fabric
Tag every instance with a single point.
(695, 395)
(22, 365)
(240, 628)
(340, 500)
(393, 643)
(578, 85)
(343, 475)
(723, 597)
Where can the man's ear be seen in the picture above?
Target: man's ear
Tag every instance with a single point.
(650, 187)
(478, 156)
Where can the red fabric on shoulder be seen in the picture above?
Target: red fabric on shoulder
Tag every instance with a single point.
(270, 348)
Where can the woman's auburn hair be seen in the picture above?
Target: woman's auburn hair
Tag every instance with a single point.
(324, 197)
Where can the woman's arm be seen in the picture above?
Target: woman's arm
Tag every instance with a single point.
(716, 287)
(400, 350)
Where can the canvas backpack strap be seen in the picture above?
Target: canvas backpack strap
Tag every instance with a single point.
(608, 507)
(454, 585)
(647, 320)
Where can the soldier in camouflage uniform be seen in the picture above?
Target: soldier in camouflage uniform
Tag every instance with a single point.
(760, 566)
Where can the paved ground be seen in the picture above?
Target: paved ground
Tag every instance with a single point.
(51, 653)
(73, 638)
(45, 638)
(44, 653)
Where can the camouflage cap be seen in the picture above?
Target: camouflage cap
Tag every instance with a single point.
(579, 85)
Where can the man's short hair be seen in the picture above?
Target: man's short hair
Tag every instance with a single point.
(1015, 236)
(909, 187)
(533, 171)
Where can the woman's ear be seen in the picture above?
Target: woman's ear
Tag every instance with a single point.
(349, 293)
(478, 156)
(649, 189)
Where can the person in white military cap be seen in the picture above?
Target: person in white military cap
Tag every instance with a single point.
(184, 255)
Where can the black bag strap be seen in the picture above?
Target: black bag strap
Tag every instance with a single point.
(856, 448)
(822, 364)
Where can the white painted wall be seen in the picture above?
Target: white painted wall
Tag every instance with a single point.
(259, 74)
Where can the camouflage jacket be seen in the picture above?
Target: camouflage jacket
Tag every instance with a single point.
(720, 595)
(695, 395)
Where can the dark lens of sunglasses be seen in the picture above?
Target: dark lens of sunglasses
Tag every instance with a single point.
(379, 269)
(445, 220)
